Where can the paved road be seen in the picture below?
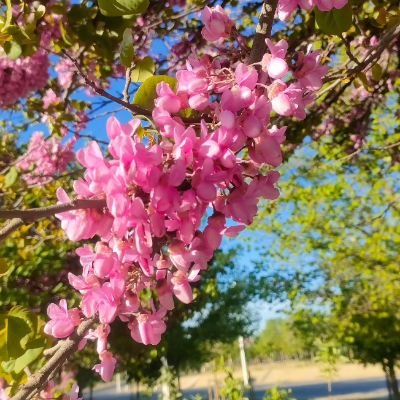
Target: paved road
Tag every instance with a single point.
(360, 389)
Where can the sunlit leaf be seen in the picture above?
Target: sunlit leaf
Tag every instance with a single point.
(118, 8)
(334, 22)
(126, 53)
(146, 94)
(144, 69)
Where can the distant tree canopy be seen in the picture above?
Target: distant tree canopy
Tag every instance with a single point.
(336, 244)
(278, 342)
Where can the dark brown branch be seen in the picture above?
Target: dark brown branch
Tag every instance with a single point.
(66, 349)
(10, 227)
(263, 30)
(132, 107)
(371, 57)
(17, 218)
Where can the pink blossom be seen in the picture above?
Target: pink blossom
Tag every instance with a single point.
(106, 367)
(65, 70)
(22, 76)
(309, 72)
(50, 98)
(217, 24)
(74, 393)
(45, 158)
(147, 328)
(274, 64)
(62, 321)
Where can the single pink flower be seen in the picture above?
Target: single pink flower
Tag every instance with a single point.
(217, 24)
(62, 321)
(106, 367)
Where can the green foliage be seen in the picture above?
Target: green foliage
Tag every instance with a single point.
(118, 8)
(277, 341)
(232, 388)
(329, 354)
(278, 394)
(334, 22)
(126, 53)
(22, 342)
(342, 277)
(11, 177)
(144, 69)
(146, 94)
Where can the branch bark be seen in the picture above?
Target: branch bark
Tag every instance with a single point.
(263, 30)
(131, 107)
(66, 349)
(18, 218)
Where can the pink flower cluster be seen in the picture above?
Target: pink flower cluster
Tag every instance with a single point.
(170, 199)
(22, 76)
(217, 24)
(44, 159)
(287, 7)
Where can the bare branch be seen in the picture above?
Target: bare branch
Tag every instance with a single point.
(263, 30)
(128, 81)
(18, 218)
(66, 349)
(132, 107)
(10, 227)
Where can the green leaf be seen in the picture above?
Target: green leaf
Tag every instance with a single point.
(11, 177)
(126, 53)
(13, 50)
(377, 72)
(8, 20)
(118, 8)
(146, 94)
(4, 267)
(334, 22)
(18, 365)
(144, 69)
(40, 11)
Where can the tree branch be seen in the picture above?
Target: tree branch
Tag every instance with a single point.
(263, 30)
(66, 349)
(18, 218)
(131, 107)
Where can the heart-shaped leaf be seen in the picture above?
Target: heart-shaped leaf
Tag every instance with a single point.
(146, 94)
(118, 8)
(334, 22)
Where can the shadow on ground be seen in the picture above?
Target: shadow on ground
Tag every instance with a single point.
(360, 389)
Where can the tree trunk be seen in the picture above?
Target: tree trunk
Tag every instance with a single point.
(387, 378)
(393, 381)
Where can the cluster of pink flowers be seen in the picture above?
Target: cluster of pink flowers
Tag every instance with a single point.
(20, 77)
(44, 158)
(170, 199)
(287, 7)
(217, 24)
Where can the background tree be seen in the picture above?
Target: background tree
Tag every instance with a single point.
(342, 276)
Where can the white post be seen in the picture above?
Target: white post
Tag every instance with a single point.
(118, 383)
(245, 371)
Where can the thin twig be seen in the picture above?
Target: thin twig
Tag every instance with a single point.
(100, 91)
(131, 107)
(128, 80)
